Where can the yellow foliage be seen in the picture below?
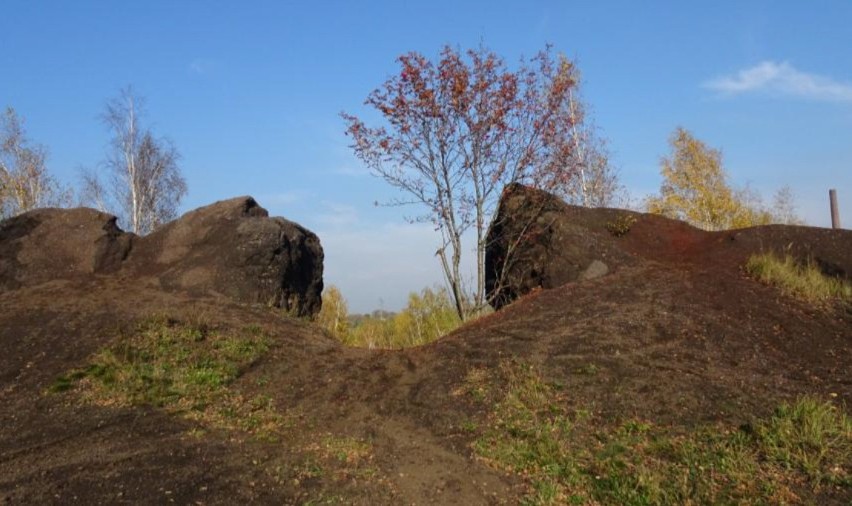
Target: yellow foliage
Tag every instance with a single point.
(695, 189)
(429, 315)
(334, 312)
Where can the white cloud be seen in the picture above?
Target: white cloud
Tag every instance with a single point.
(782, 79)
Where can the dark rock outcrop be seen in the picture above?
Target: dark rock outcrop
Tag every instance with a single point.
(232, 248)
(536, 240)
(47, 244)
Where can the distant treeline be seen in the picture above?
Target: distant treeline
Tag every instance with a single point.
(429, 315)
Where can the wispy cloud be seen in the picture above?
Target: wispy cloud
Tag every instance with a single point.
(201, 66)
(337, 215)
(285, 198)
(782, 79)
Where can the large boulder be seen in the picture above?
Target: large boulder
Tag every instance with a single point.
(48, 244)
(235, 249)
(536, 240)
(232, 248)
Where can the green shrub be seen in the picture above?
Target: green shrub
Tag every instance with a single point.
(620, 225)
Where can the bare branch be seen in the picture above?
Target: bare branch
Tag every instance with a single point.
(25, 183)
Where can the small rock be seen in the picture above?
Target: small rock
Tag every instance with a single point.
(595, 269)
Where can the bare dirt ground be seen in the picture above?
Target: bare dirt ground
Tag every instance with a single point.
(682, 338)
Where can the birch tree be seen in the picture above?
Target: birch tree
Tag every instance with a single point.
(596, 183)
(333, 316)
(144, 184)
(25, 183)
(695, 189)
(784, 207)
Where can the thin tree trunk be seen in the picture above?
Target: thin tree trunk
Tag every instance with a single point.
(130, 157)
(578, 146)
(455, 289)
(480, 256)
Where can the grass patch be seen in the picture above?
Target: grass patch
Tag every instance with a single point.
(342, 459)
(475, 384)
(804, 281)
(811, 437)
(345, 450)
(189, 369)
(182, 367)
(569, 456)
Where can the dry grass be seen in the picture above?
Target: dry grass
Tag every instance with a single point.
(804, 281)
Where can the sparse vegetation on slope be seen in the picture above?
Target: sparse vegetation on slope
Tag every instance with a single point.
(804, 281)
(655, 385)
(569, 455)
(190, 369)
(183, 367)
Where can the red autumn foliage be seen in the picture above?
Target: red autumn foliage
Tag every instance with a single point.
(457, 130)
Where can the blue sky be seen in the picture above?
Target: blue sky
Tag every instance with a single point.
(250, 93)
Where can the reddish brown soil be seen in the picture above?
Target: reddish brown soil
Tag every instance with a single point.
(681, 338)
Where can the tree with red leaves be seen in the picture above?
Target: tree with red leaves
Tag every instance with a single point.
(458, 130)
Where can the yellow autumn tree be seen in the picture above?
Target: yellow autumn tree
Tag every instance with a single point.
(695, 189)
(334, 313)
(429, 315)
(25, 183)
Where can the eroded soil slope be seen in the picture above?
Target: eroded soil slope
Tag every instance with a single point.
(679, 340)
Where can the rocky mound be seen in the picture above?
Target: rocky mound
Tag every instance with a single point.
(538, 241)
(659, 377)
(232, 248)
(48, 244)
